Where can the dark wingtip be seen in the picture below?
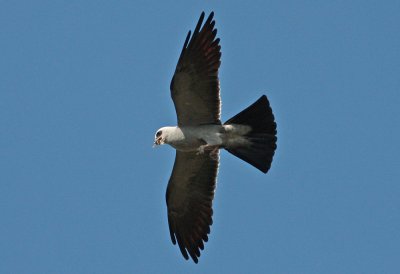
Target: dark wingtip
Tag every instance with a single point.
(210, 19)
(182, 52)
(171, 231)
(187, 39)
(196, 30)
(173, 239)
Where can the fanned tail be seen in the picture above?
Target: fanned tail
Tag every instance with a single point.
(261, 138)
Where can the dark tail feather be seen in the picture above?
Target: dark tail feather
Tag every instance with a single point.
(262, 136)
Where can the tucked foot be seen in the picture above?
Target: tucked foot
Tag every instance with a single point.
(200, 150)
(212, 148)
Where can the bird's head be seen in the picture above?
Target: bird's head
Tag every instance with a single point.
(159, 138)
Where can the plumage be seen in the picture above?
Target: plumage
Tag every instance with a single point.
(195, 84)
(189, 199)
(249, 135)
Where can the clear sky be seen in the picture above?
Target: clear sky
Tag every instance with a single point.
(84, 85)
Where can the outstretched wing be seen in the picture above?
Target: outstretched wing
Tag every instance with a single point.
(189, 196)
(195, 84)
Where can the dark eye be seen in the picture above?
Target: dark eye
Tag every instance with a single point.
(158, 134)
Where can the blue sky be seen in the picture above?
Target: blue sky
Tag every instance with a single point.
(85, 85)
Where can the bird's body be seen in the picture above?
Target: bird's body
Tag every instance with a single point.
(193, 138)
(199, 135)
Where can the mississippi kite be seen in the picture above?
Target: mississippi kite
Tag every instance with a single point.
(250, 135)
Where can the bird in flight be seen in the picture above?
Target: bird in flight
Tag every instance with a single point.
(199, 135)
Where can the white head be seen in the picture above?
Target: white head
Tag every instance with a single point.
(161, 136)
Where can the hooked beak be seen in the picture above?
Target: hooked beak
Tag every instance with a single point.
(158, 141)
